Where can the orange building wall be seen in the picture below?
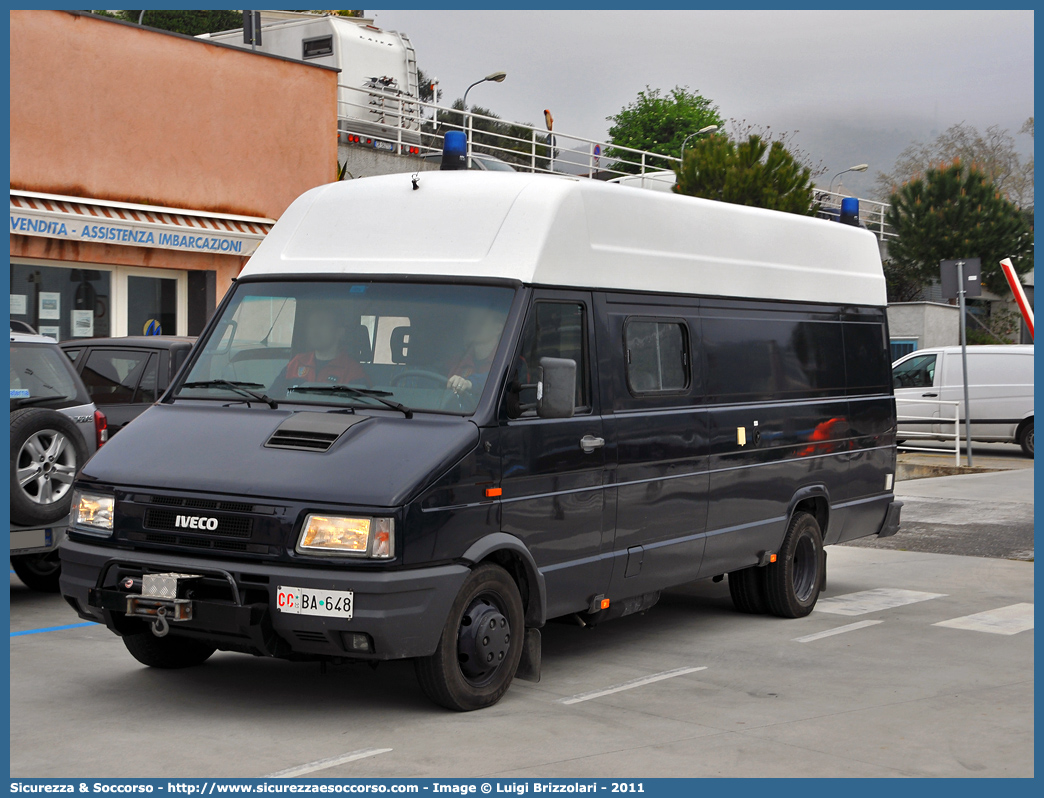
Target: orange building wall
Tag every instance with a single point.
(112, 111)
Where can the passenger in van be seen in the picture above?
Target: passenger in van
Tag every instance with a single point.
(325, 360)
(481, 333)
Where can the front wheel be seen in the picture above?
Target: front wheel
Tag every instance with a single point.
(793, 582)
(481, 644)
(1026, 439)
(168, 652)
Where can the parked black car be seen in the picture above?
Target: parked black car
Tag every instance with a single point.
(125, 375)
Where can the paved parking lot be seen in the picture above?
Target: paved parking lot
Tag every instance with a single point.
(896, 673)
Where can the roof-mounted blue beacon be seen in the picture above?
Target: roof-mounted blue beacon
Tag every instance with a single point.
(849, 211)
(454, 151)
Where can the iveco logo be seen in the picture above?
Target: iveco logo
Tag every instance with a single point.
(195, 522)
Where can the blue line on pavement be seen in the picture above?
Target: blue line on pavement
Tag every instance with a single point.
(52, 629)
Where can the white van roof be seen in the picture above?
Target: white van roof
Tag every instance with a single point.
(558, 231)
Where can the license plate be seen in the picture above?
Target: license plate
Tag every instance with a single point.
(306, 601)
(383, 145)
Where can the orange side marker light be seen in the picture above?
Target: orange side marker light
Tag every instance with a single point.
(492, 493)
(605, 604)
(772, 558)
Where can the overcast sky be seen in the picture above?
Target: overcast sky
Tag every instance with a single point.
(853, 86)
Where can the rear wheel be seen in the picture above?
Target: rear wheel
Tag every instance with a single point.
(1026, 439)
(793, 582)
(38, 571)
(168, 652)
(747, 588)
(481, 644)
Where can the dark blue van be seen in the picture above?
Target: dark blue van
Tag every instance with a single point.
(518, 398)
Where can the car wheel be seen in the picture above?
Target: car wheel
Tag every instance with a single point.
(46, 452)
(747, 588)
(1026, 439)
(793, 582)
(168, 652)
(480, 646)
(38, 571)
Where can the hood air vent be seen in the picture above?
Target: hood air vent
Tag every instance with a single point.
(311, 432)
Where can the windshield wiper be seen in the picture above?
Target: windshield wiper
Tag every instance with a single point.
(32, 400)
(366, 393)
(236, 387)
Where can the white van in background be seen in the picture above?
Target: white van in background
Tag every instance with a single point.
(1000, 391)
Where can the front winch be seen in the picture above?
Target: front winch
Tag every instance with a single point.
(163, 598)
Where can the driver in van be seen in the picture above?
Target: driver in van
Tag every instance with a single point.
(324, 360)
(482, 333)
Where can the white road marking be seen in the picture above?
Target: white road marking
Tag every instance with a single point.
(656, 677)
(882, 598)
(838, 631)
(1003, 621)
(323, 764)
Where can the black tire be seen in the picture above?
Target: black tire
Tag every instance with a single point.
(469, 671)
(793, 582)
(1026, 439)
(47, 451)
(38, 571)
(168, 652)
(747, 588)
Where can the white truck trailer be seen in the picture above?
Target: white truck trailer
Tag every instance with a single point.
(377, 88)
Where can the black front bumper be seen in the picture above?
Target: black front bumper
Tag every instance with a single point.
(403, 612)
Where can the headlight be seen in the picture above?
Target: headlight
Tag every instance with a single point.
(361, 537)
(93, 510)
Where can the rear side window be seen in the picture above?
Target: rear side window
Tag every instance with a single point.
(760, 358)
(112, 375)
(657, 356)
(917, 372)
(866, 355)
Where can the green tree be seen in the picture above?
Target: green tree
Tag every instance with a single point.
(658, 123)
(749, 172)
(188, 22)
(954, 211)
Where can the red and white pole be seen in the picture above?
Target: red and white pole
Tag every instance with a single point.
(1016, 290)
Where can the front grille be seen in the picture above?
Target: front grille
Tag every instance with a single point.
(212, 544)
(227, 526)
(311, 637)
(203, 504)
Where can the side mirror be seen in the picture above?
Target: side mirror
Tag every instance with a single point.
(557, 387)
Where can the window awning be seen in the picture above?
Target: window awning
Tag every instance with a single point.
(126, 224)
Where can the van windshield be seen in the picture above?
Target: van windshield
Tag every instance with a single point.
(423, 346)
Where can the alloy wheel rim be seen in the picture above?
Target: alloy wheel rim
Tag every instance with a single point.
(46, 467)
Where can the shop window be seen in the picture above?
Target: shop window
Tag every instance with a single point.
(61, 302)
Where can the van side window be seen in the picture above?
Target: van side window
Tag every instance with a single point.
(554, 329)
(866, 355)
(657, 356)
(917, 372)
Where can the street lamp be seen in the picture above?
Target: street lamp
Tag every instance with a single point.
(858, 168)
(496, 77)
(700, 132)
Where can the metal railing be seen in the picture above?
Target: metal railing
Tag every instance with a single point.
(393, 121)
(871, 212)
(925, 420)
(407, 126)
